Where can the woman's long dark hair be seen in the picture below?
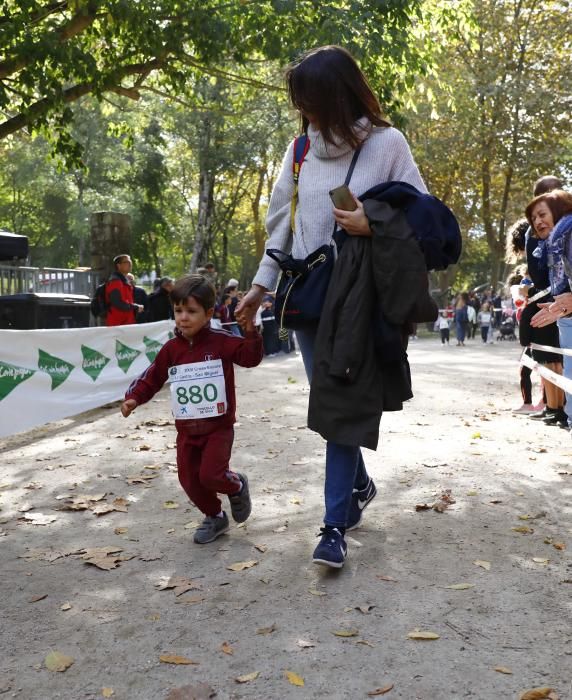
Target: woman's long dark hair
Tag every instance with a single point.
(328, 84)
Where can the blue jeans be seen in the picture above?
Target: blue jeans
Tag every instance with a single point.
(565, 330)
(345, 468)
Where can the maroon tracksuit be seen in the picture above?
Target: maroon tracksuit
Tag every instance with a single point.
(203, 445)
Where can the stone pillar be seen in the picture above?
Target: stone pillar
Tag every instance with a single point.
(110, 235)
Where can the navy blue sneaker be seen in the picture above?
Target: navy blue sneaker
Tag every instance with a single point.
(360, 499)
(332, 549)
(240, 503)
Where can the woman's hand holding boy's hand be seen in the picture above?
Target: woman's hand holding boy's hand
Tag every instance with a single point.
(247, 308)
(354, 222)
(128, 406)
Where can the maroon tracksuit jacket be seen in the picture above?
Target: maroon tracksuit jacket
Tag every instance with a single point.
(203, 445)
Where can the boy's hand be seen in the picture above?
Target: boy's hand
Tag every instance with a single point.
(247, 325)
(128, 406)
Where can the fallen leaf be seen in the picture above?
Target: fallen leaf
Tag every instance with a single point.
(346, 633)
(103, 557)
(524, 530)
(282, 528)
(37, 598)
(151, 556)
(304, 644)
(200, 691)
(179, 660)
(422, 506)
(539, 694)
(472, 493)
(170, 504)
(476, 436)
(39, 518)
(365, 609)
(294, 678)
(141, 478)
(365, 643)
(226, 648)
(540, 560)
(560, 546)
(380, 691)
(483, 564)
(120, 530)
(261, 547)
(503, 669)
(190, 600)
(313, 591)
(56, 661)
(242, 565)
(381, 577)
(192, 525)
(460, 586)
(107, 692)
(296, 501)
(25, 508)
(179, 584)
(248, 677)
(143, 448)
(267, 630)
(419, 634)
(66, 606)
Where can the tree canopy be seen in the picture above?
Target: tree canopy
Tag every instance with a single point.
(55, 52)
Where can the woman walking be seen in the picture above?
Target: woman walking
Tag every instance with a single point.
(340, 114)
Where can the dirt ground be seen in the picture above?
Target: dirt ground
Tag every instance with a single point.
(491, 575)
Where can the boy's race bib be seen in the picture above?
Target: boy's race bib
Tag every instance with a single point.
(198, 390)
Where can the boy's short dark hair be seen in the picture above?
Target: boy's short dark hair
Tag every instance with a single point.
(225, 297)
(195, 286)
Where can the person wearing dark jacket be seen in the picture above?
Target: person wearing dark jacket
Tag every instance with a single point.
(139, 297)
(159, 307)
(121, 308)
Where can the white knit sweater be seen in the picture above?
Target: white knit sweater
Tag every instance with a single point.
(385, 156)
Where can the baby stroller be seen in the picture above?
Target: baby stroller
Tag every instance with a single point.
(506, 328)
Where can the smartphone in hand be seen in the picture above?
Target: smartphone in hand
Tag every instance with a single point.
(342, 198)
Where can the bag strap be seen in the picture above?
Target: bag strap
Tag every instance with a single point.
(301, 147)
(338, 236)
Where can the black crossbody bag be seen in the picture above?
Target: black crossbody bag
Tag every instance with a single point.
(304, 282)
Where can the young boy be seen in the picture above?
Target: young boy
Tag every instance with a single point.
(198, 364)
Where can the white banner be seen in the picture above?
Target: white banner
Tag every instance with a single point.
(46, 375)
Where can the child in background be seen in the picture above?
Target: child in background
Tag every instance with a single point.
(484, 319)
(198, 364)
(444, 328)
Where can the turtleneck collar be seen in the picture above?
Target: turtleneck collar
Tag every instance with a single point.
(323, 149)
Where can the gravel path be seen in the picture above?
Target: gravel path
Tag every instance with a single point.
(491, 575)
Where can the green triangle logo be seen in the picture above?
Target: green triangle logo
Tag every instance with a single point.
(152, 347)
(93, 362)
(11, 376)
(125, 355)
(58, 369)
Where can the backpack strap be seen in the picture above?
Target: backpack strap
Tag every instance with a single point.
(301, 147)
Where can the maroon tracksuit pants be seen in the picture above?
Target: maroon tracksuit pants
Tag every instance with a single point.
(203, 466)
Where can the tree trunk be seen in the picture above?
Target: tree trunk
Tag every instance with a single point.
(206, 199)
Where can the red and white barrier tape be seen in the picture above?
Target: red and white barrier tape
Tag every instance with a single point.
(556, 379)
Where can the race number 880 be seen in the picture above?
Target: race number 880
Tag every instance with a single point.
(193, 394)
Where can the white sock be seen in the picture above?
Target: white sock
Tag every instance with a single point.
(221, 514)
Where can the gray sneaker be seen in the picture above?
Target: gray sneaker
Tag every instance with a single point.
(211, 528)
(240, 504)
